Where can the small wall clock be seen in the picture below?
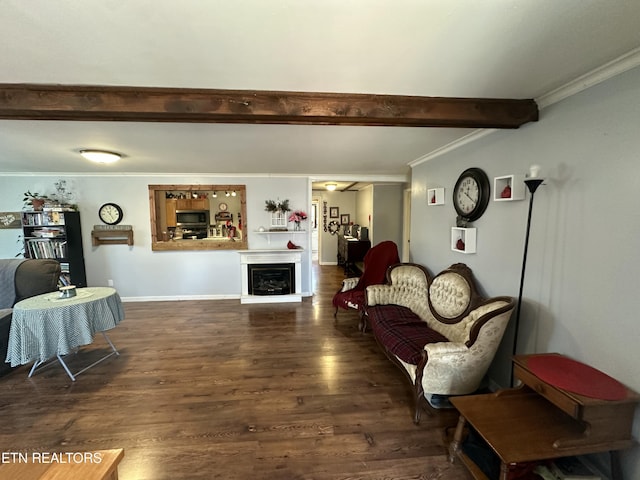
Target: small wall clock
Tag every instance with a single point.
(223, 207)
(471, 194)
(110, 213)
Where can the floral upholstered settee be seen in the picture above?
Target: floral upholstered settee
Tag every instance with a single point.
(438, 330)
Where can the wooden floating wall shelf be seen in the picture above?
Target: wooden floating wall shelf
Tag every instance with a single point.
(463, 240)
(123, 236)
(508, 188)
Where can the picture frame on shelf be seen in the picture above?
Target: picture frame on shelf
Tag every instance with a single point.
(345, 219)
(334, 212)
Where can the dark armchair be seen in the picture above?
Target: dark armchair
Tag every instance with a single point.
(376, 262)
(20, 279)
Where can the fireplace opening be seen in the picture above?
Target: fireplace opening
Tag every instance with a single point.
(271, 278)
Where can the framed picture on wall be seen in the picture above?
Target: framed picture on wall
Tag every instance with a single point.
(334, 212)
(344, 219)
(10, 220)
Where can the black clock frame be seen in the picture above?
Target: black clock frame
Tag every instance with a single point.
(484, 186)
(117, 207)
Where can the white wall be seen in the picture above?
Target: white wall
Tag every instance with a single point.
(582, 283)
(328, 244)
(387, 214)
(364, 208)
(139, 273)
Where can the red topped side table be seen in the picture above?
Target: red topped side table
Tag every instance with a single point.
(540, 420)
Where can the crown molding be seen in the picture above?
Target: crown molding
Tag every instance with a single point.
(391, 178)
(596, 76)
(164, 174)
(449, 147)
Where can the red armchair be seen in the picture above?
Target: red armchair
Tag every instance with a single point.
(376, 261)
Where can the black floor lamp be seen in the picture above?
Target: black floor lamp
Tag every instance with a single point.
(532, 182)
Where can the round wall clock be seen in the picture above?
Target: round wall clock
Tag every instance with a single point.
(471, 194)
(110, 213)
(223, 207)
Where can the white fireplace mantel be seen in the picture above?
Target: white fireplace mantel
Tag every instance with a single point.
(253, 257)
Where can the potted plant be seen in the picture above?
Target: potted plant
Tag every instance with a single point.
(34, 200)
(297, 216)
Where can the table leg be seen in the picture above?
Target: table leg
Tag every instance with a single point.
(66, 369)
(36, 364)
(110, 343)
(504, 471)
(72, 376)
(113, 352)
(616, 468)
(456, 444)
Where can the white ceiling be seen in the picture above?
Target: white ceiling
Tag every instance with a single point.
(462, 48)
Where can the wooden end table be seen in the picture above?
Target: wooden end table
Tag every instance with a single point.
(538, 421)
(99, 465)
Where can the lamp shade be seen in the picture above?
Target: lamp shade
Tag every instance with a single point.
(100, 156)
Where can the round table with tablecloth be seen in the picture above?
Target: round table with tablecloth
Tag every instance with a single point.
(48, 325)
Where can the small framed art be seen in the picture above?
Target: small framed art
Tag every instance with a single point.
(10, 220)
(344, 219)
(334, 212)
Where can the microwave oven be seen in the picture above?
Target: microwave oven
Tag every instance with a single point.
(192, 218)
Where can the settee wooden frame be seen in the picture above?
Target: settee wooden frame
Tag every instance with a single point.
(475, 301)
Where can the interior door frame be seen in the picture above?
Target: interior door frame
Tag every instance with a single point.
(406, 226)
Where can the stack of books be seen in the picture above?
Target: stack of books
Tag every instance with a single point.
(570, 468)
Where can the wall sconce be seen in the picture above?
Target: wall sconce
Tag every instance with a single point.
(100, 156)
(226, 194)
(233, 194)
(331, 186)
(215, 195)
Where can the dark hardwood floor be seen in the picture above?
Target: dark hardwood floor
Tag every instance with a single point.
(215, 389)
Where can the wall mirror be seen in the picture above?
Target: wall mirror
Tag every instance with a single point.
(198, 217)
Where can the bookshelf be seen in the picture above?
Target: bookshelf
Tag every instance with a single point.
(57, 235)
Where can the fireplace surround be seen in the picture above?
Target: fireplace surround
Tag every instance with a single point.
(271, 279)
(274, 263)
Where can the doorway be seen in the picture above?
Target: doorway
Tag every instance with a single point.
(406, 226)
(315, 248)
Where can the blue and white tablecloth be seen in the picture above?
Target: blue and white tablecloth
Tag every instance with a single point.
(46, 325)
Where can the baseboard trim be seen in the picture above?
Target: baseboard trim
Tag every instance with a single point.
(176, 298)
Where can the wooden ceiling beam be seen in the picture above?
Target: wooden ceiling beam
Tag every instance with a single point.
(348, 187)
(149, 104)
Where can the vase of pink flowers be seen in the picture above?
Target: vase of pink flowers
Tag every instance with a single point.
(296, 217)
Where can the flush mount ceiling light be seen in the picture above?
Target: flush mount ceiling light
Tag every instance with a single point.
(331, 186)
(100, 156)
